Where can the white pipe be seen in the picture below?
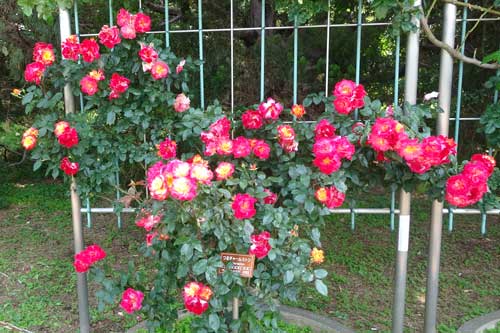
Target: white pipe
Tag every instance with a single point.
(459, 211)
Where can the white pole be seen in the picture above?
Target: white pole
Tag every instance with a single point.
(69, 102)
(411, 78)
(445, 86)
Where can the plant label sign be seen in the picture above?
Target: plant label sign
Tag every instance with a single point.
(242, 263)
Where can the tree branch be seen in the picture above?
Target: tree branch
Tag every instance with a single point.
(160, 8)
(451, 51)
(475, 26)
(21, 161)
(9, 150)
(430, 9)
(472, 7)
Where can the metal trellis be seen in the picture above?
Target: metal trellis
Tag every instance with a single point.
(410, 96)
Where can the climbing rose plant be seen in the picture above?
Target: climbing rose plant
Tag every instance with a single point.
(262, 183)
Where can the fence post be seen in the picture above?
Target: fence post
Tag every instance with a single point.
(411, 78)
(69, 102)
(200, 45)
(262, 49)
(445, 86)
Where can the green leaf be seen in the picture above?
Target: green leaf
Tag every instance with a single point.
(309, 206)
(223, 289)
(495, 56)
(110, 119)
(187, 251)
(214, 322)
(315, 235)
(182, 271)
(307, 102)
(27, 98)
(185, 87)
(381, 12)
(321, 287)
(27, 6)
(288, 278)
(307, 277)
(320, 273)
(200, 267)
(56, 98)
(37, 165)
(272, 255)
(225, 193)
(317, 100)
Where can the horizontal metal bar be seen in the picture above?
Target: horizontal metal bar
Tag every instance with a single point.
(471, 211)
(472, 119)
(363, 211)
(315, 121)
(290, 27)
(108, 210)
(464, 211)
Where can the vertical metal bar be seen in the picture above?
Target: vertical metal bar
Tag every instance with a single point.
(232, 60)
(495, 96)
(82, 289)
(89, 214)
(200, 45)
(450, 218)
(460, 74)
(398, 306)
(490, 152)
(262, 49)
(327, 69)
(358, 40)
(353, 215)
(395, 104)
(459, 94)
(396, 71)
(77, 32)
(69, 103)
(358, 46)
(411, 78)
(140, 5)
(110, 9)
(393, 204)
(167, 26)
(483, 224)
(295, 57)
(117, 183)
(445, 87)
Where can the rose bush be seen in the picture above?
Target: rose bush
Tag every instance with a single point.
(261, 183)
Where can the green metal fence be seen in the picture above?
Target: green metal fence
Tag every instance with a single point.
(359, 24)
(353, 211)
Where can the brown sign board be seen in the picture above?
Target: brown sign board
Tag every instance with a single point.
(242, 263)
